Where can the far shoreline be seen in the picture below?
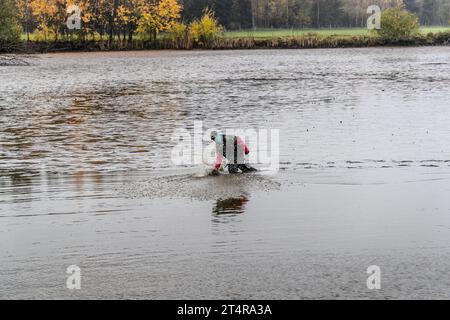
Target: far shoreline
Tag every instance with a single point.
(305, 41)
(47, 50)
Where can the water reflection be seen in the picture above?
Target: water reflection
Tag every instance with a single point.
(116, 127)
(17, 183)
(28, 186)
(232, 206)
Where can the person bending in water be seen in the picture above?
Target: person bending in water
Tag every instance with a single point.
(234, 150)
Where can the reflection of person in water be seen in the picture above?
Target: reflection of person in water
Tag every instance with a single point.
(234, 150)
(230, 206)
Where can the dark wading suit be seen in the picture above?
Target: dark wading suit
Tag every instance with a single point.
(234, 150)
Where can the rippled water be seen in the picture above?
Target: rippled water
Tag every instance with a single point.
(86, 176)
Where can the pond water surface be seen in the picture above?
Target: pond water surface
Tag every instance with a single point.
(86, 176)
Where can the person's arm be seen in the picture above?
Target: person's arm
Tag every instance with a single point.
(219, 158)
(241, 143)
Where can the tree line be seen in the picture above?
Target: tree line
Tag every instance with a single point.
(111, 19)
(124, 19)
(247, 14)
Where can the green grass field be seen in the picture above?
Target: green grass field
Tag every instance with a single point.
(275, 33)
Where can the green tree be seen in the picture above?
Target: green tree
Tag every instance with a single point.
(326, 13)
(9, 24)
(222, 9)
(412, 6)
(241, 13)
(398, 24)
(193, 9)
(429, 10)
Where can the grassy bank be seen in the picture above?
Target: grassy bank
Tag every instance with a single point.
(277, 33)
(261, 39)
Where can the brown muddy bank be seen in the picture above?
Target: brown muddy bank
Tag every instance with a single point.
(310, 41)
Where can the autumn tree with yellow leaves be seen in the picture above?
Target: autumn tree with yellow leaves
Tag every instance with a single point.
(129, 13)
(158, 16)
(117, 19)
(25, 16)
(44, 11)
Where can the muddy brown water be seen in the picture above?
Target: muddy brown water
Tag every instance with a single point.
(86, 176)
